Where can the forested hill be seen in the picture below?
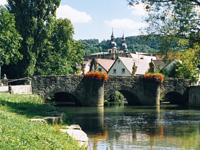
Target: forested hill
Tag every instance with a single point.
(134, 43)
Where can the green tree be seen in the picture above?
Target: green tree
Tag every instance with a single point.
(173, 20)
(189, 67)
(180, 17)
(9, 38)
(31, 17)
(60, 54)
(116, 97)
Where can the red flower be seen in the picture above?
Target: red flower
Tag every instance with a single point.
(97, 75)
(154, 77)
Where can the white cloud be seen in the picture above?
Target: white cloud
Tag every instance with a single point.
(3, 2)
(138, 10)
(125, 24)
(65, 11)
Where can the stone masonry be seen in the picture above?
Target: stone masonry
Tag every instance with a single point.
(135, 88)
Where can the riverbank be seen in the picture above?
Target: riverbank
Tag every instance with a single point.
(17, 131)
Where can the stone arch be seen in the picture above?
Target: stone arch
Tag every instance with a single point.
(174, 97)
(65, 97)
(131, 97)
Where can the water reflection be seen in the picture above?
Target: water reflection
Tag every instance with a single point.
(125, 127)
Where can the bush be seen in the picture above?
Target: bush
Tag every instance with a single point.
(97, 75)
(116, 97)
(154, 77)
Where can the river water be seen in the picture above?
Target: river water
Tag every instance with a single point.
(121, 127)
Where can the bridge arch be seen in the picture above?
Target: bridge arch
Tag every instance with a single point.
(64, 96)
(174, 97)
(131, 97)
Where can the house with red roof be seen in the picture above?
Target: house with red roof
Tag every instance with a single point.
(102, 65)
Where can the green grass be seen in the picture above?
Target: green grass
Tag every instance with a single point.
(18, 132)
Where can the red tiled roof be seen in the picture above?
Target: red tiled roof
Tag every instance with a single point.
(105, 63)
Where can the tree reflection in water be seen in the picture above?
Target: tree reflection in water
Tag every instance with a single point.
(139, 127)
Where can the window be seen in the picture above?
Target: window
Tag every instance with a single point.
(118, 61)
(99, 69)
(114, 71)
(123, 70)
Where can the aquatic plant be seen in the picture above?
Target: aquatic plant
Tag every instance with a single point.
(97, 75)
(154, 77)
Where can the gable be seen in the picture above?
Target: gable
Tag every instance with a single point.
(118, 68)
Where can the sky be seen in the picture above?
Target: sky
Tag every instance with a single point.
(95, 19)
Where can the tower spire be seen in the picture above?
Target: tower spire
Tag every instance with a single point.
(123, 38)
(112, 36)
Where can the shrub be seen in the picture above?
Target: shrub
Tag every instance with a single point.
(97, 75)
(154, 77)
(116, 97)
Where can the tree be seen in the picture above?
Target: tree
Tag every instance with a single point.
(9, 38)
(60, 54)
(176, 17)
(174, 20)
(189, 67)
(116, 97)
(31, 17)
(186, 67)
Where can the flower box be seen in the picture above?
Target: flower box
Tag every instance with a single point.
(154, 77)
(96, 76)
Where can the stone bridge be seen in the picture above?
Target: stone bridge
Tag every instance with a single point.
(92, 93)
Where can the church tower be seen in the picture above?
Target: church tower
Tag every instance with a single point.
(112, 49)
(123, 46)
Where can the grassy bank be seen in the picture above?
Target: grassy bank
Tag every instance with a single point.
(18, 132)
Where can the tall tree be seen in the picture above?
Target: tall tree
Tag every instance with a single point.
(9, 38)
(60, 54)
(31, 17)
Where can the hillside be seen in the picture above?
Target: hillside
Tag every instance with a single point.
(134, 43)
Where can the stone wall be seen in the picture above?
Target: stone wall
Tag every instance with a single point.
(194, 96)
(20, 89)
(137, 91)
(140, 92)
(47, 85)
(4, 89)
(180, 86)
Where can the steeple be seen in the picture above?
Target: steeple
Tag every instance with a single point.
(123, 39)
(123, 46)
(112, 36)
(112, 45)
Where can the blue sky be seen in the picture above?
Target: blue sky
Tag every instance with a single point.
(94, 19)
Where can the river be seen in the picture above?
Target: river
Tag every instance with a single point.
(121, 127)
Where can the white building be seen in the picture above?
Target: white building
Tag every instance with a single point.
(139, 56)
(123, 66)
